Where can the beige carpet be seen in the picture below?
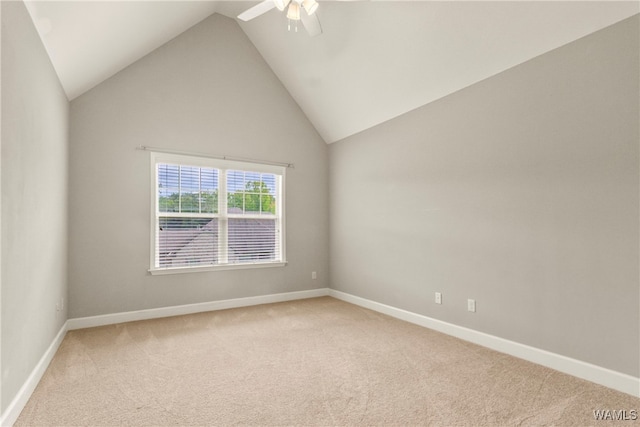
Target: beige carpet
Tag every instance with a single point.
(313, 362)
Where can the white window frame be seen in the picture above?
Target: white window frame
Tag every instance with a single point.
(223, 166)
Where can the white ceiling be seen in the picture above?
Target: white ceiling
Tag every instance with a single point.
(89, 41)
(375, 60)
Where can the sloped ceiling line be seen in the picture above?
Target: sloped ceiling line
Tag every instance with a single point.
(374, 61)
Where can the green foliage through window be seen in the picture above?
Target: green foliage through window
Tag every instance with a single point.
(209, 215)
(255, 199)
(189, 202)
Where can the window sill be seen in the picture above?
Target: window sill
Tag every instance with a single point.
(181, 270)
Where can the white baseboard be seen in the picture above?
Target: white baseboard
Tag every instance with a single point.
(606, 377)
(16, 406)
(178, 310)
(577, 368)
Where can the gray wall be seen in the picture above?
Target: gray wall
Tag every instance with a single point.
(208, 91)
(35, 116)
(520, 191)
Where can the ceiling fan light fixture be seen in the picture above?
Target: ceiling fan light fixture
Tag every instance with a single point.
(293, 12)
(310, 6)
(281, 4)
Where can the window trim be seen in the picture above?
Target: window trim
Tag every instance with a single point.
(185, 160)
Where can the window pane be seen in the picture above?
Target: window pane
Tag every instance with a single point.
(251, 177)
(252, 240)
(251, 203)
(268, 204)
(168, 188)
(208, 190)
(235, 181)
(184, 242)
(270, 183)
(235, 190)
(189, 189)
(251, 193)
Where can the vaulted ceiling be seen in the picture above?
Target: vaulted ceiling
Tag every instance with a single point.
(374, 61)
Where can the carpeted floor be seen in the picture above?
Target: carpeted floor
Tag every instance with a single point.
(312, 362)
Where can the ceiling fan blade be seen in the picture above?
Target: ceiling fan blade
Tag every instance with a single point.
(257, 10)
(311, 24)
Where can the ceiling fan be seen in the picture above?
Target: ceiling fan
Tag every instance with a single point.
(297, 10)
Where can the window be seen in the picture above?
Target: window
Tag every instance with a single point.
(210, 214)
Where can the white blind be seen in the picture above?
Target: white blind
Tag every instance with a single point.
(208, 216)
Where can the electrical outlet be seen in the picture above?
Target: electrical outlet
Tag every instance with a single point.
(60, 304)
(314, 276)
(438, 298)
(471, 305)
